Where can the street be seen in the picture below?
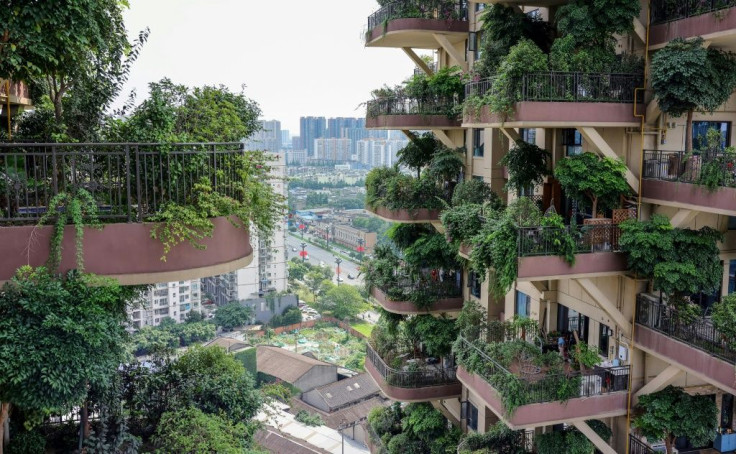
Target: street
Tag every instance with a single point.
(318, 255)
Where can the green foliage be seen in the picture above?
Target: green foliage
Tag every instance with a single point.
(528, 165)
(233, 315)
(279, 391)
(475, 191)
(191, 430)
(724, 318)
(58, 334)
(499, 438)
(27, 442)
(436, 333)
(586, 354)
(404, 235)
(418, 428)
(593, 23)
(308, 419)
(524, 57)
(166, 337)
(290, 316)
(681, 261)
(431, 251)
(594, 181)
(571, 440)
(462, 222)
(344, 301)
(661, 417)
(78, 208)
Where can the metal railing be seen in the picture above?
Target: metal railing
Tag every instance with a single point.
(426, 376)
(479, 87)
(534, 241)
(637, 446)
(405, 105)
(542, 387)
(667, 10)
(699, 333)
(580, 87)
(129, 181)
(691, 168)
(434, 285)
(420, 9)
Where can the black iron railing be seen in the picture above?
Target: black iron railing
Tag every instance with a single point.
(718, 168)
(538, 386)
(420, 9)
(438, 285)
(426, 375)
(478, 87)
(668, 10)
(405, 105)
(550, 240)
(580, 87)
(129, 181)
(699, 333)
(637, 446)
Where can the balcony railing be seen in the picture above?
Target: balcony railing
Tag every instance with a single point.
(539, 387)
(667, 10)
(426, 376)
(567, 87)
(536, 241)
(637, 446)
(129, 182)
(420, 9)
(438, 288)
(699, 333)
(404, 105)
(715, 167)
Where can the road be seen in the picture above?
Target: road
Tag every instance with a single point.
(317, 255)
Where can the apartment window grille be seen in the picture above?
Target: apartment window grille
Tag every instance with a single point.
(603, 338)
(478, 143)
(732, 276)
(572, 141)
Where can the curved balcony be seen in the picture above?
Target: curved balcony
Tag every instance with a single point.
(414, 24)
(448, 299)
(561, 100)
(406, 216)
(713, 20)
(129, 183)
(404, 112)
(546, 399)
(676, 178)
(424, 383)
(596, 252)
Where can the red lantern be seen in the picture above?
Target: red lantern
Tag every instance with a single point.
(303, 254)
(301, 226)
(360, 249)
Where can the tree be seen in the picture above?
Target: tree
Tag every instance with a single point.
(232, 315)
(289, 316)
(662, 417)
(435, 333)
(344, 301)
(57, 336)
(724, 318)
(418, 152)
(527, 164)
(191, 430)
(687, 77)
(594, 23)
(475, 191)
(588, 177)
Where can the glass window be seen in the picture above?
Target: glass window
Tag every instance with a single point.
(474, 284)
(523, 304)
(478, 143)
(472, 417)
(480, 7)
(732, 276)
(529, 135)
(700, 132)
(572, 140)
(603, 337)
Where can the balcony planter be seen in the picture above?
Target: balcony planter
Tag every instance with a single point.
(407, 216)
(408, 308)
(410, 23)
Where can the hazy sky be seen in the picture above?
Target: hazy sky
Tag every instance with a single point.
(297, 57)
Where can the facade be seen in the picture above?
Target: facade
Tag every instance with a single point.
(378, 152)
(310, 128)
(332, 149)
(172, 300)
(597, 300)
(269, 138)
(301, 371)
(13, 94)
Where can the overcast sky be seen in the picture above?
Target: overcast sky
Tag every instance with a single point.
(297, 58)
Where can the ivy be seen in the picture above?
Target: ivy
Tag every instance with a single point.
(462, 222)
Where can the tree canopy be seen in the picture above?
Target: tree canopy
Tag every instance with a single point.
(527, 164)
(592, 180)
(344, 301)
(232, 315)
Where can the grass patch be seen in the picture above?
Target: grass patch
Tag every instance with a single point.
(362, 327)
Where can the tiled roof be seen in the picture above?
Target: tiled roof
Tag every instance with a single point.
(348, 390)
(284, 364)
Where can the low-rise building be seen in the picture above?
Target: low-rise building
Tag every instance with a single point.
(302, 372)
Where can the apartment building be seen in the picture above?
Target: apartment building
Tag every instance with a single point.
(172, 300)
(597, 299)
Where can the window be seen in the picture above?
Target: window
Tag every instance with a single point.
(474, 284)
(478, 46)
(528, 135)
(478, 143)
(480, 7)
(572, 140)
(700, 131)
(732, 276)
(523, 304)
(472, 417)
(603, 337)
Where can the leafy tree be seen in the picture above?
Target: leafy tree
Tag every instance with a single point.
(232, 315)
(571, 440)
(431, 251)
(194, 317)
(344, 301)
(724, 318)
(191, 430)
(437, 334)
(462, 222)
(290, 315)
(590, 178)
(671, 413)
(528, 165)
(687, 77)
(418, 152)
(593, 23)
(475, 191)
(57, 336)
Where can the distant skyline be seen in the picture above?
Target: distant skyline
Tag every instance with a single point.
(296, 58)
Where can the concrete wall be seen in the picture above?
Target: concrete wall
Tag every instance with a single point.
(317, 376)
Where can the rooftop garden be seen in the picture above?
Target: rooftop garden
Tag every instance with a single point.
(520, 372)
(441, 93)
(436, 167)
(419, 9)
(526, 59)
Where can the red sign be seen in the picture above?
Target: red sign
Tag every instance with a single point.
(360, 249)
(303, 254)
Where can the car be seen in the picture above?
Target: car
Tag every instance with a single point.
(350, 276)
(339, 279)
(293, 249)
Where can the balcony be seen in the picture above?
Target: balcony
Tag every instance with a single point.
(397, 298)
(532, 395)
(421, 382)
(129, 183)
(404, 112)
(702, 182)
(596, 252)
(714, 20)
(406, 216)
(693, 345)
(560, 100)
(414, 24)
(19, 94)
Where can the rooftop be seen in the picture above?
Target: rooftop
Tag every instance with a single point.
(346, 391)
(284, 364)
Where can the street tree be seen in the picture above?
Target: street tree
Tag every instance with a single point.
(232, 315)
(344, 301)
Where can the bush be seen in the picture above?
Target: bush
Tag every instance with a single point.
(308, 419)
(27, 442)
